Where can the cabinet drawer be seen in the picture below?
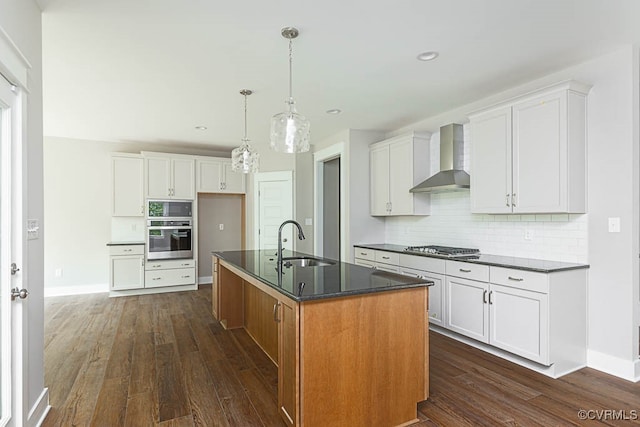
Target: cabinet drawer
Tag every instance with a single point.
(434, 265)
(387, 257)
(365, 263)
(126, 250)
(467, 270)
(521, 279)
(169, 264)
(362, 253)
(175, 277)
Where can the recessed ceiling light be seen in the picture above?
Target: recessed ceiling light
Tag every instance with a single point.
(427, 56)
(334, 111)
(201, 127)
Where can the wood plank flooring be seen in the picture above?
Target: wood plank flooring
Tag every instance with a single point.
(162, 360)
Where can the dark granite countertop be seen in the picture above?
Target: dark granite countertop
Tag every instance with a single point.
(312, 283)
(124, 243)
(538, 265)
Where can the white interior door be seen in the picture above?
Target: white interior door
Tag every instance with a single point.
(9, 311)
(274, 203)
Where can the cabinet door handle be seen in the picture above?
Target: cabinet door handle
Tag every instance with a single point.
(513, 199)
(516, 279)
(464, 270)
(275, 312)
(490, 299)
(142, 210)
(484, 297)
(507, 201)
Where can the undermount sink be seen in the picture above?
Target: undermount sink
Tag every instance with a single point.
(306, 262)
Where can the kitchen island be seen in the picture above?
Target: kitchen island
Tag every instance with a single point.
(351, 343)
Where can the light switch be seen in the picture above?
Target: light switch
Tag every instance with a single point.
(221, 227)
(614, 225)
(33, 229)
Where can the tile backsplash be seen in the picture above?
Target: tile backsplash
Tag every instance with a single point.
(557, 237)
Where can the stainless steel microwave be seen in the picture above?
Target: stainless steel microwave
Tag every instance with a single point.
(169, 209)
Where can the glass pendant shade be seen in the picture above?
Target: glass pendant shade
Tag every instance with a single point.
(244, 158)
(290, 131)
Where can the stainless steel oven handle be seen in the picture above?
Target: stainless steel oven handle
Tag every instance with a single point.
(170, 228)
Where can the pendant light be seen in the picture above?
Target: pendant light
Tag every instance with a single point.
(290, 130)
(245, 159)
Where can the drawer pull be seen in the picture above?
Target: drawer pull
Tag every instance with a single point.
(464, 270)
(516, 279)
(157, 278)
(385, 257)
(185, 277)
(128, 250)
(185, 264)
(275, 312)
(363, 253)
(156, 265)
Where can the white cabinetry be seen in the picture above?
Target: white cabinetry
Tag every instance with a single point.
(170, 273)
(397, 165)
(127, 178)
(430, 269)
(126, 267)
(169, 177)
(216, 176)
(529, 155)
(381, 260)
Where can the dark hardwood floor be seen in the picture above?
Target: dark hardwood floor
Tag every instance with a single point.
(162, 360)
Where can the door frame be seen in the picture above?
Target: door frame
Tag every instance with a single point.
(265, 177)
(319, 157)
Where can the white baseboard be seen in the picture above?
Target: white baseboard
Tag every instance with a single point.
(59, 291)
(625, 369)
(39, 411)
(147, 291)
(205, 280)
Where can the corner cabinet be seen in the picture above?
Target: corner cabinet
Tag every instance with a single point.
(216, 176)
(169, 177)
(397, 165)
(127, 177)
(529, 155)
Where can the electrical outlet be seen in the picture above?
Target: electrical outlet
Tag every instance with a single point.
(528, 234)
(221, 227)
(33, 229)
(308, 221)
(58, 272)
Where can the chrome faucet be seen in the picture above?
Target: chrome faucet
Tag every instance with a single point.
(300, 236)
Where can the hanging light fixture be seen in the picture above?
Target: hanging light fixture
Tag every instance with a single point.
(244, 158)
(290, 130)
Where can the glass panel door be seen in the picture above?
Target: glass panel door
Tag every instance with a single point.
(7, 103)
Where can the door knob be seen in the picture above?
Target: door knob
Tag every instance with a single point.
(19, 293)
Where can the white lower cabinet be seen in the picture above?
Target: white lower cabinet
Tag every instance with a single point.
(126, 267)
(518, 322)
(466, 307)
(380, 260)
(170, 273)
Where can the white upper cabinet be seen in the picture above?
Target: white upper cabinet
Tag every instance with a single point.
(215, 175)
(397, 165)
(529, 156)
(127, 177)
(169, 177)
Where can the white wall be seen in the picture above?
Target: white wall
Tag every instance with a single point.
(78, 211)
(21, 21)
(612, 157)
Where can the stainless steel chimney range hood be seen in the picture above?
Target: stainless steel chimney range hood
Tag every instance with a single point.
(451, 177)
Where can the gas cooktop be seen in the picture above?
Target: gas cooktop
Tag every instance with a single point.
(447, 251)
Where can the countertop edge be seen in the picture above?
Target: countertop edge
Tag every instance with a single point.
(344, 294)
(559, 268)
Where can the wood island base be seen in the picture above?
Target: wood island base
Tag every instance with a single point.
(359, 360)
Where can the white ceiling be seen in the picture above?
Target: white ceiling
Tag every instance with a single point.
(152, 70)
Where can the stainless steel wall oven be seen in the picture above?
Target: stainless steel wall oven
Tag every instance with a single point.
(169, 229)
